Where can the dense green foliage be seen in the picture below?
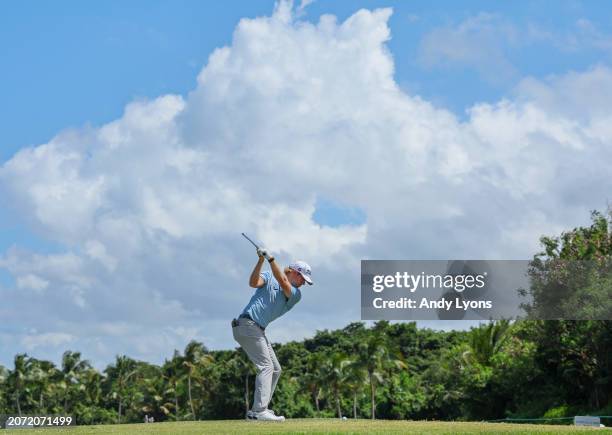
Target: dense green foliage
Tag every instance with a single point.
(572, 277)
(531, 368)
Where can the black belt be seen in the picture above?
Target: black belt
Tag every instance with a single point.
(246, 316)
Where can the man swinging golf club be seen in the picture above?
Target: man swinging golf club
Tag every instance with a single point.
(276, 293)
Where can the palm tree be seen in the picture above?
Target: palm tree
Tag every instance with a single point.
(4, 374)
(243, 367)
(355, 378)
(18, 377)
(119, 374)
(333, 376)
(172, 372)
(72, 369)
(196, 358)
(43, 377)
(153, 387)
(92, 385)
(312, 378)
(374, 355)
(486, 341)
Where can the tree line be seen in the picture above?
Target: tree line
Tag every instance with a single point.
(521, 369)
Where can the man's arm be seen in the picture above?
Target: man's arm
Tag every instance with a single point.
(280, 277)
(255, 280)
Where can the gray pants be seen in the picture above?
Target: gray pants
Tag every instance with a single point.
(257, 346)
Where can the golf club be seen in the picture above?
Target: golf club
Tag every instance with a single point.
(247, 237)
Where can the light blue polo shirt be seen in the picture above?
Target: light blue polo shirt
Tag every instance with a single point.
(269, 301)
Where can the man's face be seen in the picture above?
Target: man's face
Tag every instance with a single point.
(296, 279)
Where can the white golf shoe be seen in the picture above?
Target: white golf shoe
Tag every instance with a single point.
(273, 413)
(267, 415)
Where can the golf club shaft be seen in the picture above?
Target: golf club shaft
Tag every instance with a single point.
(247, 237)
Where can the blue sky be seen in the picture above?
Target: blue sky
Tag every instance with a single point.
(445, 130)
(70, 63)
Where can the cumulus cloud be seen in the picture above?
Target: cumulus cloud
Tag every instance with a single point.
(149, 208)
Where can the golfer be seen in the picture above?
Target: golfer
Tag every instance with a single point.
(276, 293)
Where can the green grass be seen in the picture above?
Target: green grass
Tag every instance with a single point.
(309, 426)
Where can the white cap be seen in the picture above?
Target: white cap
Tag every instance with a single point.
(303, 268)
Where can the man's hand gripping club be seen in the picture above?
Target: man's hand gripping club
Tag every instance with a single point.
(280, 276)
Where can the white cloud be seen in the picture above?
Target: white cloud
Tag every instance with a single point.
(32, 282)
(52, 339)
(302, 7)
(584, 35)
(481, 42)
(97, 251)
(489, 44)
(594, 37)
(150, 207)
(580, 96)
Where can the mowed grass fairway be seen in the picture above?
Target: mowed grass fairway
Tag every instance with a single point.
(312, 426)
